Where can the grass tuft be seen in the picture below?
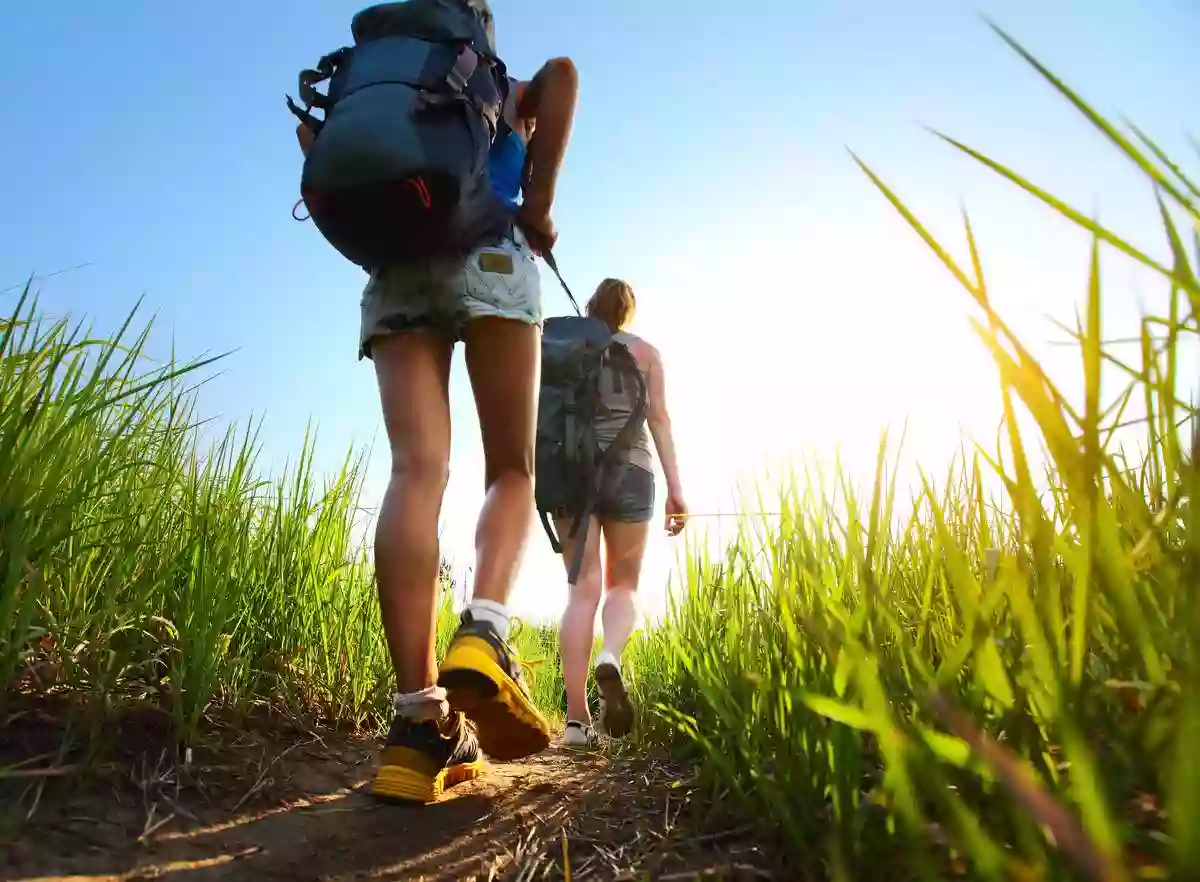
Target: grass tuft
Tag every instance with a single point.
(999, 689)
(142, 570)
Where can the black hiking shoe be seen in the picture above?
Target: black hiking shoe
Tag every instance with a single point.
(422, 759)
(616, 710)
(482, 678)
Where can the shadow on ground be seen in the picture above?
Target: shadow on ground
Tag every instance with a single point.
(298, 809)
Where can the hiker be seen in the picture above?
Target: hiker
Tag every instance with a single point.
(413, 312)
(620, 518)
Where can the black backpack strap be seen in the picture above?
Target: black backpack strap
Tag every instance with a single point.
(597, 467)
(305, 116)
(582, 516)
(579, 443)
(455, 88)
(554, 541)
(581, 437)
(553, 264)
(584, 519)
(625, 436)
(505, 84)
(570, 431)
(308, 80)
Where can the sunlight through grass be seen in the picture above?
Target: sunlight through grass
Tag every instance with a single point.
(996, 679)
(1002, 692)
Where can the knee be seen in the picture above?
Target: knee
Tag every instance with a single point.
(587, 589)
(517, 472)
(426, 468)
(623, 580)
(621, 592)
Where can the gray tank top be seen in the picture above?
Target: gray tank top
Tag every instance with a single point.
(618, 398)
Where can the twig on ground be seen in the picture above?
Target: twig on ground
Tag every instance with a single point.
(262, 775)
(150, 829)
(47, 772)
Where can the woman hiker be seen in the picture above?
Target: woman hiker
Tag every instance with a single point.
(621, 521)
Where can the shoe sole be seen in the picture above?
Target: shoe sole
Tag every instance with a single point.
(586, 747)
(618, 709)
(507, 724)
(398, 784)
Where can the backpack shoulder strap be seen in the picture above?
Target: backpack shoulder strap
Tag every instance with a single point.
(582, 439)
(622, 359)
(508, 92)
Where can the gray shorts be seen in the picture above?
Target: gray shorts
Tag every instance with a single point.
(626, 494)
(498, 280)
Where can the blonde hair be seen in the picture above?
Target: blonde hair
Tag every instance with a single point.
(613, 303)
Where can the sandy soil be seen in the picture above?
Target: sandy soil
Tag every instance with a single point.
(284, 805)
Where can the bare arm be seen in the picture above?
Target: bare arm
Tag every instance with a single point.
(659, 421)
(548, 102)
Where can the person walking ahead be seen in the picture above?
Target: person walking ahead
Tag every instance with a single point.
(413, 312)
(620, 520)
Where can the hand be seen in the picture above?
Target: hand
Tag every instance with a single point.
(534, 220)
(676, 514)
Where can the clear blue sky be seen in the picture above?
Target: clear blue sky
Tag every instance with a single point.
(708, 166)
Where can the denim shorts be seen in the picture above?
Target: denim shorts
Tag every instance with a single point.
(626, 494)
(498, 280)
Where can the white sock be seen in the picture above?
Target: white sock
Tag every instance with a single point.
(607, 657)
(491, 612)
(428, 704)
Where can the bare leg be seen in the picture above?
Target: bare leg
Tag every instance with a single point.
(578, 628)
(504, 360)
(480, 673)
(427, 749)
(413, 370)
(625, 547)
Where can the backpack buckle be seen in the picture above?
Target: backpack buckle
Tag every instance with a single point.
(463, 69)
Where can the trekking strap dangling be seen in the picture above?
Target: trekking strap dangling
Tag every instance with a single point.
(599, 467)
(583, 519)
(308, 79)
(553, 264)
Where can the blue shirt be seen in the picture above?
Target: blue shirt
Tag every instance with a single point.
(506, 164)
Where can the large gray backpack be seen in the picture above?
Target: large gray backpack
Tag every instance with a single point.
(568, 460)
(398, 168)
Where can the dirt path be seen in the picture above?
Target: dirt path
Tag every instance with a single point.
(299, 810)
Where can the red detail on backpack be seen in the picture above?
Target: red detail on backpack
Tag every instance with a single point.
(422, 191)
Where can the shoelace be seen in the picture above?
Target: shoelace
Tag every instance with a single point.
(526, 665)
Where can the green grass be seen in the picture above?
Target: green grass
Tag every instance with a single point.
(965, 686)
(995, 686)
(142, 571)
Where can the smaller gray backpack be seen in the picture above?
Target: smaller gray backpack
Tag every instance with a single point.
(398, 168)
(568, 461)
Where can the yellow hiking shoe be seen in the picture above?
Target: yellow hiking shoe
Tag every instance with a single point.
(422, 759)
(482, 678)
